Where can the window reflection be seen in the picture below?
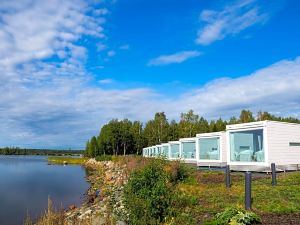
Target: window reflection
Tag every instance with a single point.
(209, 148)
(247, 146)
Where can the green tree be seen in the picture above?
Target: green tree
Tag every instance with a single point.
(188, 124)
(233, 120)
(220, 125)
(138, 138)
(246, 116)
(212, 126)
(264, 116)
(156, 130)
(173, 131)
(202, 126)
(125, 137)
(93, 147)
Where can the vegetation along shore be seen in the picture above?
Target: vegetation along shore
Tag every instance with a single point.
(135, 190)
(66, 160)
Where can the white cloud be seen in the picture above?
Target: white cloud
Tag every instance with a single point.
(275, 88)
(39, 29)
(178, 57)
(229, 21)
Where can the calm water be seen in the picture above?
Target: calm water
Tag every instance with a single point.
(27, 181)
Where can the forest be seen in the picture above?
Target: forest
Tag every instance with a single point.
(130, 137)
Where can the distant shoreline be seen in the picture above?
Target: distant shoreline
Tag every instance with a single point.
(46, 152)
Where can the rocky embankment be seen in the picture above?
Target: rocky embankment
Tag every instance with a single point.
(104, 202)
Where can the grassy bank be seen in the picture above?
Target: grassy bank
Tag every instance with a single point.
(211, 196)
(66, 160)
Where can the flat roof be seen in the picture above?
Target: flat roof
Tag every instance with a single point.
(211, 134)
(187, 139)
(256, 124)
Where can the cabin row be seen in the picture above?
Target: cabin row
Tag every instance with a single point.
(245, 147)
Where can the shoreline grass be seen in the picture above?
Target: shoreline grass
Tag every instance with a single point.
(66, 160)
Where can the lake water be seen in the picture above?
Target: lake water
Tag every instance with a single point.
(27, 181)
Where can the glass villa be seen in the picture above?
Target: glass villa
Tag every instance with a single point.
(254, 146)
(165, 150)
(211, 149)
(188, 149)
(245, 147)
(174, 150)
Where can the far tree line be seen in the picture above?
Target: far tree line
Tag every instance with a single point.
(26, 151)
(130, 137)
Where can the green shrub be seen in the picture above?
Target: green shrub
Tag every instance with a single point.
(104, 158)
(180, 172)
(234, 216)
(148, 194)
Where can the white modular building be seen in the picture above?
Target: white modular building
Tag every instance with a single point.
(188, 149)
(211, 149)
(174, 150)
(254, 146)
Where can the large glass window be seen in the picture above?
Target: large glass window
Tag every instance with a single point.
(175, 151)
(247, 146)
(155, 151)
(152, 152)
(188, 150)
(158, 151)
(165, 151)
(209, 148)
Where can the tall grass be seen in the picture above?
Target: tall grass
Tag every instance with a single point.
(51, 216)
(66, 160)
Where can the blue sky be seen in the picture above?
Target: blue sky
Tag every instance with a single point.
(67, 67)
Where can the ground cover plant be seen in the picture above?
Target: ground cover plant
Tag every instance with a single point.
(201, 195)
(234, 216)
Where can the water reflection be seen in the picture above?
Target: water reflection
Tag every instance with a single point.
(27, 181)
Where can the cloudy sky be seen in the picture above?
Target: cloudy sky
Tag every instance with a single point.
(69, 66)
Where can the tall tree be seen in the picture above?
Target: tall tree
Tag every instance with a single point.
(202, 126)
(220, 125)
(212, 126)
(233, 120)
(93, 146)
(246, 116)
(264, 116)
(187, 124)
(138, 138)
(126, 138)
(174, 133)
(156, 130)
